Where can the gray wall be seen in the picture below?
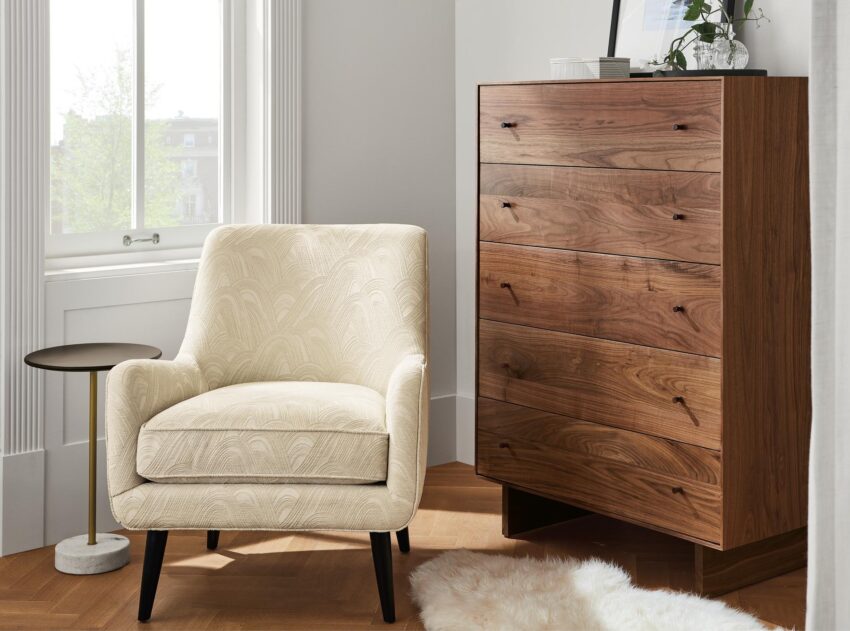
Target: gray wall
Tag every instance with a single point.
(379, 144)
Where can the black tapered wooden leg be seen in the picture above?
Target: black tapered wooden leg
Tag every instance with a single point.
(403, 537)
(212, 539)
(382, 555)
(154, 553)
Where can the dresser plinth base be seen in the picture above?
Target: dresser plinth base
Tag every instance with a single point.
(718, 572)
(523, 512)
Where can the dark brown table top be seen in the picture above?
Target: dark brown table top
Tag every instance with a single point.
(89, 357)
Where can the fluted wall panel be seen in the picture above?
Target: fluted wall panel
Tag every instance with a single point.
(283, 111)
(25, 142)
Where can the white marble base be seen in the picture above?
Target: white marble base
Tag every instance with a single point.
(76, 556)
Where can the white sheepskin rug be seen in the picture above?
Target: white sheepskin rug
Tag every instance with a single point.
(462, 590)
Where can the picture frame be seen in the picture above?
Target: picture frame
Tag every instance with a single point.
(643, 29)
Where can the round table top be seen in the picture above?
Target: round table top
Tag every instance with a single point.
(89, 357)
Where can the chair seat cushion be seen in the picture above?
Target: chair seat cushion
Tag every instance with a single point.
(272, 432)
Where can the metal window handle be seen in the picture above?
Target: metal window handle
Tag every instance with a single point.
(154, 238)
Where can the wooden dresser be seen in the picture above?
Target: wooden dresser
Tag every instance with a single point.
(643, 311)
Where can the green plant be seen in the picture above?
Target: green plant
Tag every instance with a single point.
(711, 23)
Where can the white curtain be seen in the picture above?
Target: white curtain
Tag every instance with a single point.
(829, 483)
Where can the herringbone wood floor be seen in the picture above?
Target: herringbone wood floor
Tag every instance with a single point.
(326, 581)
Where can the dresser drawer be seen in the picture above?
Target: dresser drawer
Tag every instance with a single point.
(603, 210)
(659, 392)
(641, 125)
(666, 304)
(602, 485)
(651, 453)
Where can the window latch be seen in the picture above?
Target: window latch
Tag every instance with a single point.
(154, 238)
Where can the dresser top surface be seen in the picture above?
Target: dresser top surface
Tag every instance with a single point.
(629, 80)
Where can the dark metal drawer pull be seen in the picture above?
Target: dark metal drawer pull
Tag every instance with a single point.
(678, 217)
(679, 490)
(506, 124)
(505, 285)
(678, 309)
(505, 205)
(679, 400)
(679, 127)
(504, 445)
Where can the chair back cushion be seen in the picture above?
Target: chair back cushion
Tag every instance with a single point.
(340, 304)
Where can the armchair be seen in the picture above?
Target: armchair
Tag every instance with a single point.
(298, 400)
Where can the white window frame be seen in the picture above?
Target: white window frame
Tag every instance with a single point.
(67, 251)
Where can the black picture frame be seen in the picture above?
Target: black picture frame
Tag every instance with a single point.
(615, 23)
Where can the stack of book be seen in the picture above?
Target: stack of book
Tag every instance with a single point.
(590, 67)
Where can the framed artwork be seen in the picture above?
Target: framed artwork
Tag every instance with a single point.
(643, 29)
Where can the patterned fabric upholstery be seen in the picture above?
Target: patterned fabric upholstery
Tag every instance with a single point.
(269, 432)
(330, 304)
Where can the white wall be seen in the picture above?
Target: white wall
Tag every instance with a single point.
(379, 145)
(781, 46)
(500, 40)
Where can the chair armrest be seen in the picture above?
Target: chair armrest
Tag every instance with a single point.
(408, 396)
(136, 391)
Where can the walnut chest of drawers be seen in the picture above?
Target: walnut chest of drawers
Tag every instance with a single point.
(643, 311)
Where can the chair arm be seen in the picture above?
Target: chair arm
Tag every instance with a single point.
(408, 395)
(136, 391)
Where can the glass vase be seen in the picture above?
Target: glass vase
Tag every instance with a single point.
(704, 55)
(730, 54)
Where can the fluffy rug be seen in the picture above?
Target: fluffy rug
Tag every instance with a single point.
(462, 590)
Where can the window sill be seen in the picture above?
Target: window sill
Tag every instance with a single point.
(120, 269)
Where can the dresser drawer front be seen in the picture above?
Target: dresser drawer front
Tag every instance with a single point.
(602, 210)
(594, 440)
(641, 125)
(665, 304)
(604, 486)
(618, 384)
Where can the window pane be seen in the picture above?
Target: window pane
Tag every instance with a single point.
(90, 108)
(182, 96)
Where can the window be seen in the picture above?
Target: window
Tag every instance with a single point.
(129, 96)
(190, 168)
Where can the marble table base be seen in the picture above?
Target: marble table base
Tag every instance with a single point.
(75, 556)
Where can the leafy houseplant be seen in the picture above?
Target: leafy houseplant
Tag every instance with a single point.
(711, 23)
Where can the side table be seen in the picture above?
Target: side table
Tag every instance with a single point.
(95, 552)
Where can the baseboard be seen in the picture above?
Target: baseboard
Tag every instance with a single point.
(21, 502)
(465, 424)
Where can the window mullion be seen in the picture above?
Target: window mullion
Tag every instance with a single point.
(138, 116)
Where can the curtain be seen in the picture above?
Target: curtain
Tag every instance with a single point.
(829, 481)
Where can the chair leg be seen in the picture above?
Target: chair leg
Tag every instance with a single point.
(154, 553)
(382, 555)
(403, 537)
(212, 539)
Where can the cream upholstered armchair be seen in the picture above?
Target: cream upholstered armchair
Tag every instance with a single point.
(298, 401)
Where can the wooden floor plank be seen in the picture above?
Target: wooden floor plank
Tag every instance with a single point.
(326, 580)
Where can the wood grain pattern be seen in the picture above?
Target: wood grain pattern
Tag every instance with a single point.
(665, 304)
(524, 512)
(618, 211)
(683, 505)
(718, 572)
(666, 457)
(623, 125)
(632, 387)
(766, 308)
